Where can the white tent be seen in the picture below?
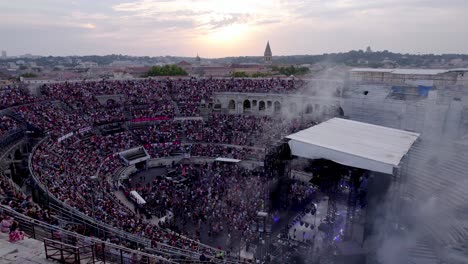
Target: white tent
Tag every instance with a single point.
(354, 144)
(137, 197)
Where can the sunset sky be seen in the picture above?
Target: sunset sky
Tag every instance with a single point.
(220, 28)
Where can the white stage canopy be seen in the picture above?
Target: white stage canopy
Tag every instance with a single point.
(354, 144)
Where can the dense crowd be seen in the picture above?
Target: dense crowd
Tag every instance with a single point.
(299, 193)
(223, 197)
(52, 118)
(7, 125)
(95, 198)
(11, 96)
(65, 163)
(19, 202)
(151, 97)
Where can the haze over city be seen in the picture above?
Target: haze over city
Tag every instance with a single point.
(215, 28)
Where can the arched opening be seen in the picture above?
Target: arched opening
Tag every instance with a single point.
(309, 109)
(277, 106)
(232, 105)
(247, 105)
(340, 111)
(217, 105)
(261, 106)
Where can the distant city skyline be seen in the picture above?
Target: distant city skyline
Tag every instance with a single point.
(218, 28)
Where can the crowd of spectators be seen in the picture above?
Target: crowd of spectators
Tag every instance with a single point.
(211, 150)
(66, 165)
(299, 193)
(65, 168)
(223, 197)
(106, 115)
(10, 96)
(7, 125)
(151, 97)
(50, 117)
(159, 132)
(16, 200)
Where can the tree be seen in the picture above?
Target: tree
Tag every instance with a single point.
(239, 74)
(166, 70)
(28, 75)
(291, 70)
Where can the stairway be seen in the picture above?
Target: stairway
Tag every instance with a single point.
(421, 253)
(176, 108)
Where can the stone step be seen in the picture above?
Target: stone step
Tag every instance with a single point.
(25, 251)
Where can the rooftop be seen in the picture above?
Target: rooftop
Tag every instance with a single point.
(353, 143)
(410, 71)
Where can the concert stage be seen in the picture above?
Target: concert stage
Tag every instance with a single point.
(354, 164)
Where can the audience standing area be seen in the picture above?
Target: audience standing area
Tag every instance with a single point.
(378, 154)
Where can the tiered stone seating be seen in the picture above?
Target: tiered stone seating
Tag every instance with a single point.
(27, 251)
(436, 179)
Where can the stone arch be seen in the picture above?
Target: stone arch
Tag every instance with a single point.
(232, 105)
(246, 105)
(340, 111)
(277, 106)
(309, 109)
(261, 106)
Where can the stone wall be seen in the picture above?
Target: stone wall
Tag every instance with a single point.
(281, 105)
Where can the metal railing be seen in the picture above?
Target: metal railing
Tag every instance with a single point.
(11, 138)
(73, 215)
(71, 243)
(64, 209)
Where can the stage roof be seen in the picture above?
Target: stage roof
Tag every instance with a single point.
(354, 144)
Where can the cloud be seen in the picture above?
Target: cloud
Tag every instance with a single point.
(206, 15)
(88, 26)
(228, 20)
(292, 26)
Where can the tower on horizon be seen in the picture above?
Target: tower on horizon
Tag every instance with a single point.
(197, 60)
(267, 54)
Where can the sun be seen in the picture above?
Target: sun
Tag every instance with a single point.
(228, 34)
